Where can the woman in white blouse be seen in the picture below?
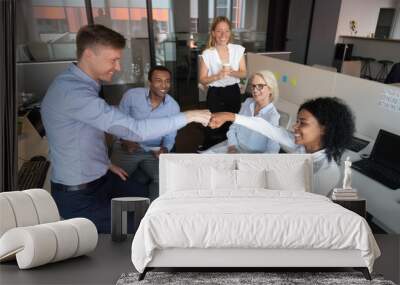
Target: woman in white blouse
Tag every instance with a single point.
(222, 65)
(324, 128)
(264, 89)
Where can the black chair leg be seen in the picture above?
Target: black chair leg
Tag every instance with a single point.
(364, 271)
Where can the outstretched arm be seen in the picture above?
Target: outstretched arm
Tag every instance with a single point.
(256, 124)
(276, 133)
(94, 111)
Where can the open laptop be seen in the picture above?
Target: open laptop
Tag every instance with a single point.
(383, 165)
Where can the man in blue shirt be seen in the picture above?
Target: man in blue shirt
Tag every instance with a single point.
(147, 103)
(83, 180)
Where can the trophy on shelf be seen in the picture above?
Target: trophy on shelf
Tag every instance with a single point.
(347, 174)
(346, 192)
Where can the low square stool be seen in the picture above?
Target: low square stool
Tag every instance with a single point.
(119, 209)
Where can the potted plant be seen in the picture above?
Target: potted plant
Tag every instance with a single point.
(353, 27)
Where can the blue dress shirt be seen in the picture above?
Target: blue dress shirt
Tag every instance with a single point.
(136, 103)
(249, 141)
(75, 119)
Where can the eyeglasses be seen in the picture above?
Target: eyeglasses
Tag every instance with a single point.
(259, 87)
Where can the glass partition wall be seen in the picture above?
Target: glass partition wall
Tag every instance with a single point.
(45, 44)
(46, 41)
(130, 19)
(46, 32)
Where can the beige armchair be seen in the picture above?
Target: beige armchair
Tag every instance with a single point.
(31, 231)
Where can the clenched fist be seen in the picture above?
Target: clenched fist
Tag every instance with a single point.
(218, 119)
(198, 116)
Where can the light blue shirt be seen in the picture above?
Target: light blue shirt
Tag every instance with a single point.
(75, 119)
(249, 141)
(136, 103)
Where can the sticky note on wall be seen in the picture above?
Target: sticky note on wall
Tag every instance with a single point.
(286, 79)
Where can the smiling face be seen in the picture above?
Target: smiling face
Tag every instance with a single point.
(102, 62)
(308, 131)
(260, 91)
(221, 33)
(160, 83)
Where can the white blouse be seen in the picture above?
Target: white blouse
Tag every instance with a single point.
(214, 64)
(326, 173)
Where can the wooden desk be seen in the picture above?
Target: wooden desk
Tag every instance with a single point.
(30, 144)
(351, 67)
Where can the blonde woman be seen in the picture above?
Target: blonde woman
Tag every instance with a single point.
(222, 65)
(264, 90)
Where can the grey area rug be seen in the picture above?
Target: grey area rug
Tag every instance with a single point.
(229, 278)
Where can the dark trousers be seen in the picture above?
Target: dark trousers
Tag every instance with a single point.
(221, 99)
(94, 203)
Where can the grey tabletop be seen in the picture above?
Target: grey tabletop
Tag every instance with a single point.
(130, 199)
(102, 266)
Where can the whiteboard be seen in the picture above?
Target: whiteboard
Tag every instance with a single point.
(375, 105)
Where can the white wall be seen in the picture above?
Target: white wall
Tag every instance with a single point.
(364, 12)
(365, 97)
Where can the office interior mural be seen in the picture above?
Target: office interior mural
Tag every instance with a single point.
(46, 32)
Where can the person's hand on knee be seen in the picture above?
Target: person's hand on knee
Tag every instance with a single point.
(118, 171)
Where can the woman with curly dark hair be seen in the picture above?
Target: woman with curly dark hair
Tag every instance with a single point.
(324, 128)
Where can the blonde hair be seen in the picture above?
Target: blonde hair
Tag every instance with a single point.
(271, 82)
(216, 21)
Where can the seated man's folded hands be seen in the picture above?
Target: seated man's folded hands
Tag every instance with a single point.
(232, 149)
(157, 153)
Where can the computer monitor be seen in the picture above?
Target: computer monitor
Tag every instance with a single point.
(386, 150)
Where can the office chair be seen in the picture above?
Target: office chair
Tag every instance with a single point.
(394, 74)
(384, 70)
